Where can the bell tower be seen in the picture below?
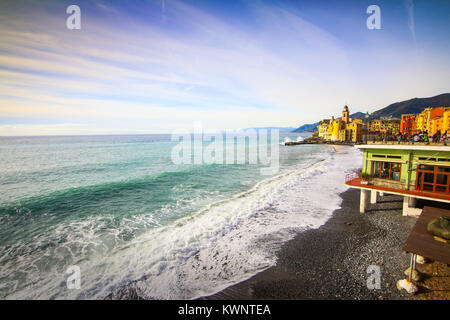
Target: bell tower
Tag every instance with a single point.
(345, 115)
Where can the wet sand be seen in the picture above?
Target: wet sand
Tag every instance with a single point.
(331, 262)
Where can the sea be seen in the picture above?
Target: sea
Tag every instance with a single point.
(99, 217)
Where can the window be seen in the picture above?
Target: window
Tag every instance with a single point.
(427, 159)
(386, 170)
(433, 178)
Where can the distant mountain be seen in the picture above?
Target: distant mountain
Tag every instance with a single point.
(415, 105)
(357, 115)
(312, 127)
(307, 127)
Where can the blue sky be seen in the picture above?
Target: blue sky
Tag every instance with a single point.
(159, 66)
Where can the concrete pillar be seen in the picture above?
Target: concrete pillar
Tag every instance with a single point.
(412, 202)
(363, 200)
(408, 209)
(373, 196)
(405, 206)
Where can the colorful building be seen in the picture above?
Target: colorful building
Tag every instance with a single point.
(422, 120)
(433, 120)
(322, 128)
(413, 171)
(408, 124)
(343, 129)
(384, 125)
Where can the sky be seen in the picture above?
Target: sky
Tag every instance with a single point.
(163, 65)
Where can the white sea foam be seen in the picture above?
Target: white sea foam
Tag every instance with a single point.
(223, 243)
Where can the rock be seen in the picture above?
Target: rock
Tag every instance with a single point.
(416, 276)
(420, 259)
(407, 285)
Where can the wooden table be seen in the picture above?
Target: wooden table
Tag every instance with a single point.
(421, 242)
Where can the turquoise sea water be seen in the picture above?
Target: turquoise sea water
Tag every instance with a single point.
(117, 207)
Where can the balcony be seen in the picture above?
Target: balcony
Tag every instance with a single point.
(352, 180)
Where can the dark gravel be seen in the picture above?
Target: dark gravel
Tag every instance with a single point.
(331, 262)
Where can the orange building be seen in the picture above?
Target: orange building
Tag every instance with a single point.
(408, 124)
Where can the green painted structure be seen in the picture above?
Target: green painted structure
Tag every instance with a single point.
(414, 171)
(407, 160)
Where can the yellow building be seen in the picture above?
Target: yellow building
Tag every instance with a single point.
(374, 126)
(422, 120)
(390, 125)
(322, 129)
(446, 121)
(440, 122)
(344, 129)
(333, 129)
(355, 130)
(433, 119)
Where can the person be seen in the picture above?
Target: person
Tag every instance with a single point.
(438, 136)
(425, 137)
(421, 136)
(444, 137)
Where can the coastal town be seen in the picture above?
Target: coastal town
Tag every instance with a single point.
(432, 125)
(407, 158)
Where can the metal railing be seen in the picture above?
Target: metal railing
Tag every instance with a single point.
(396, 186)
(352, 175)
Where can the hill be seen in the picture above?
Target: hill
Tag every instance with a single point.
(415, 105)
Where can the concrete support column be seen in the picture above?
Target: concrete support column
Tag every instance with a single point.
(412, 202)
(363, 200)
(408, 207)
(405, 206)
(373, 196)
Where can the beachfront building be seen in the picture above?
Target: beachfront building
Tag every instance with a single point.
(408, 124)
(384, 125)
(322, 128)
(432, 120)
(342, 129)
(334, 129)
(422, 120)
(354, 130)
(413, 171)
(439, 121)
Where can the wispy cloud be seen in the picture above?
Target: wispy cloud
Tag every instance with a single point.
(411, 24)
(164, 75)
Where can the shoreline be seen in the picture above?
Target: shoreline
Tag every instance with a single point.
(330, 262)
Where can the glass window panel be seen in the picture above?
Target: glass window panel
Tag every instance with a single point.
(385, 170)
(441, 179)
(376, 169)
(444, 169)
(441, 189)
(424, 167)
(428, 187)
(428, 177)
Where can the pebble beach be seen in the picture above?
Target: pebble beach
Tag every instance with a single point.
(331, 262)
